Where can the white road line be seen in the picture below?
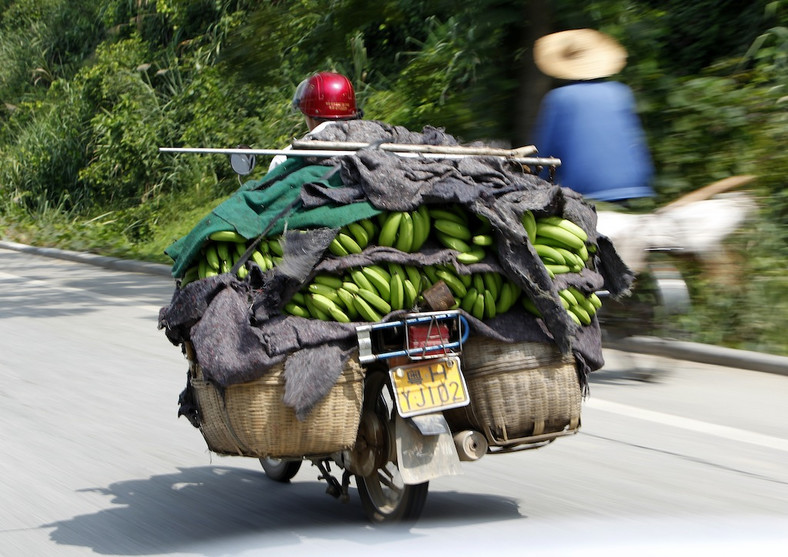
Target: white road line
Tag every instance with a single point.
(72, 290)
(730, 433)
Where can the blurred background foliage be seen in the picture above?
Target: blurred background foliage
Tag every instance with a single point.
(89, 89)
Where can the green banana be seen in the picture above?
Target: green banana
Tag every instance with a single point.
(576, 294)
(202, 267)
(575, 318)
(339, 315)
(337, 248)
(453, 282)
(404, 241)
(389, 229)
(314, 311)
(366, 311)
(529, 223)
(325, 291)
(478, 307)
(351, 287)
(397, 269)
(361, 279)
(475, 255)
(583, 252)
(529, 306)
(548, 252)
(446, 214)
(371, 228)
(329, 280)
(380, 282)
(298, 310)
(469, 299)
(568, 297)
(212, 257)
(572, 259)
(360, 234)
(227, 236)
(410, 293)
(347, 242)
(347, 301)
(453, 229)
(588, 306)
(489, 305)
(381, 270)
(557, 269)
(421, 227)
(491, 283)
(322, 303)
(299, 298)
(191, 274)
(581, 314)
(558, 233)
(397, 292)
(505, 298)
(482, 240)
(478, 281)
(275, 245)
(452, 242)
(594, 299)
(430, 272)
(375, 301)
(566, 224)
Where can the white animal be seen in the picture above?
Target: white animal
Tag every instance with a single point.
(694, 227)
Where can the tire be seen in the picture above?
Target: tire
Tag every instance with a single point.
(384, 497)
(280, 470)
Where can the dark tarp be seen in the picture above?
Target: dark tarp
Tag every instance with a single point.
(237, 327)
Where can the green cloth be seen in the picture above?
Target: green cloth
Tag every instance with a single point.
(258, 202)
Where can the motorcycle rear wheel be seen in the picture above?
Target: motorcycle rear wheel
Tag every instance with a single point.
(385, 498)
(280, 470)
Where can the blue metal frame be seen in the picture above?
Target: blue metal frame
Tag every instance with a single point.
(415, 319)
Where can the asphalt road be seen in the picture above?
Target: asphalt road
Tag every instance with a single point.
(94, 461)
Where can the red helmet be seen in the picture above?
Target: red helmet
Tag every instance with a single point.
(327, 96)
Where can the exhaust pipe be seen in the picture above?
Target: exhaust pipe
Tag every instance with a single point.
(471, 445)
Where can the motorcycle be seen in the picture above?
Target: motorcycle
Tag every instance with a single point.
(421, 396)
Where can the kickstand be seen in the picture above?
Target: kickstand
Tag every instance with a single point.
(334, 488)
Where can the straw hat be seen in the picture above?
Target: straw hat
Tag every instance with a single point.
(579, 54)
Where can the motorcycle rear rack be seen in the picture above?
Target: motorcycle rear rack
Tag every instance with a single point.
(446, 347)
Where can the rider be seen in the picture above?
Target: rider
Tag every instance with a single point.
(323, 98)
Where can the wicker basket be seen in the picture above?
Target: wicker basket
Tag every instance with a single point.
(250, 419)
(520, 393)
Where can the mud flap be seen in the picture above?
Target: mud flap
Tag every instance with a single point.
(425, 449)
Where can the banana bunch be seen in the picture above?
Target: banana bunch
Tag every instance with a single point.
(363, 293)
(223, 249)
(559, 243)
(354, 237)
(453, 230)
(488, 295)
(581, 308)
(405, 230)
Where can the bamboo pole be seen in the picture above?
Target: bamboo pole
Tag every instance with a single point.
(549, 161)
(417, 148)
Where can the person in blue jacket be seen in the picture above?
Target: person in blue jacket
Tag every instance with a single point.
(591, 123)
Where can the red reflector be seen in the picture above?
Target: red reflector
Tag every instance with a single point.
(421, 336)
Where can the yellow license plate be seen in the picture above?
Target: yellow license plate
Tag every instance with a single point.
(429, 385)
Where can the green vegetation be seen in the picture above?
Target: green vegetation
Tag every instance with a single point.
(90, 89)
